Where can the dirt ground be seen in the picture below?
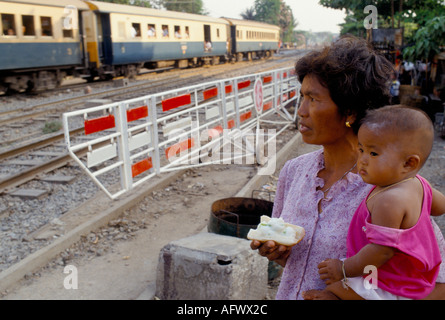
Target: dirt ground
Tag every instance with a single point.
(110, 268)
(120, 260)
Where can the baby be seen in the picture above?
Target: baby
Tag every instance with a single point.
(391, 233)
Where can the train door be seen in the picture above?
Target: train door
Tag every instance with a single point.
(83, 40)
(207, 38)
(233, 37)
(92, 36)
(105, 45)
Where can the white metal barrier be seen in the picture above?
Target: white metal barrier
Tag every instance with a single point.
(126, 143)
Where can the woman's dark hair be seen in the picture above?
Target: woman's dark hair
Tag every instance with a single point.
(356, 76)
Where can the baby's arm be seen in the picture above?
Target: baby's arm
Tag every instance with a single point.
(330, 270)
(388, 212)
(438, 204)
(371, 254)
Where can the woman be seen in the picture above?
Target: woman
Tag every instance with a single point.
(320, 191)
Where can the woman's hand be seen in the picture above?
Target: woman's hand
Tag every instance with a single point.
(330, 271)
(272, 251)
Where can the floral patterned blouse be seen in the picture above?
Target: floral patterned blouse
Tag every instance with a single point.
(296, 201)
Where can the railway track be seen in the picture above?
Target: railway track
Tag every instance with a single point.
(30, 121)
(22, 217)
(20, 176)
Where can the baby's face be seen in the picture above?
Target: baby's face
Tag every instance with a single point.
(380, 159)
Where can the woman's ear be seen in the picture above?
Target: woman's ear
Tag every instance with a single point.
(351, 118)
(412, 163)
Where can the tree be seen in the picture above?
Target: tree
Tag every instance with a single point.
(389, 11)
(190, 6)
(140, 3)
(248, 14)
(268, 11)
(275, 12)
(287, 23)
(428, 41)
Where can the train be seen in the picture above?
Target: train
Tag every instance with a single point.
(44, 41)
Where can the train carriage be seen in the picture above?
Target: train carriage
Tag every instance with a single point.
(251, 39)
(121, 38)
(40, 43)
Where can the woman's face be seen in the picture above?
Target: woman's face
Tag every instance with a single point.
(381, 158)
(320, 122)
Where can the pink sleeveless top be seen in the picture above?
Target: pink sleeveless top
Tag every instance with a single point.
(413, 270)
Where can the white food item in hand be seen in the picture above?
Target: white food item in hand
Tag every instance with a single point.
(277, 230)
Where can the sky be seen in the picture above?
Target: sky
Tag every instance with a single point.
(310, 15)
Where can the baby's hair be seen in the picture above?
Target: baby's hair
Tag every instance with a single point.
(403, 121)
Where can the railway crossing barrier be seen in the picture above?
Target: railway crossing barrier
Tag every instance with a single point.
(126, 143)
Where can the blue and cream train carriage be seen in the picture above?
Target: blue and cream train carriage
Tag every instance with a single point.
(134, 37)
(42, 41)
(251, 39)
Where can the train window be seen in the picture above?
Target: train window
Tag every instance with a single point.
(135, 30)
(47, 27)
(187, 32)
(151, 30)
(217, 32)
(178, 32)
(28, 26)
(8, 24)
(165, 30)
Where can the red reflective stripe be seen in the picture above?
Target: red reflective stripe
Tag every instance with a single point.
(245, 116)
(137, 113)
(243, 85)
(230, 124)
(141, 167)
(229, 89)
(179, 147)
(210, 93)
(176, 102)
(267, 106)
(99, 124)
(267, 79)
(292, 94)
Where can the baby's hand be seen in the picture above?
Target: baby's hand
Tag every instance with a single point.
(330, 270)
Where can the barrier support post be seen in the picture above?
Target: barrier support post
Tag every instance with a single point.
(123, 147)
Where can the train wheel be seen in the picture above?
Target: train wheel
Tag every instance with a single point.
(249, 56)
(43, 80)
(215, 61)
(131, 71)
(18, 83)
(239, 57)
(4, 89)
